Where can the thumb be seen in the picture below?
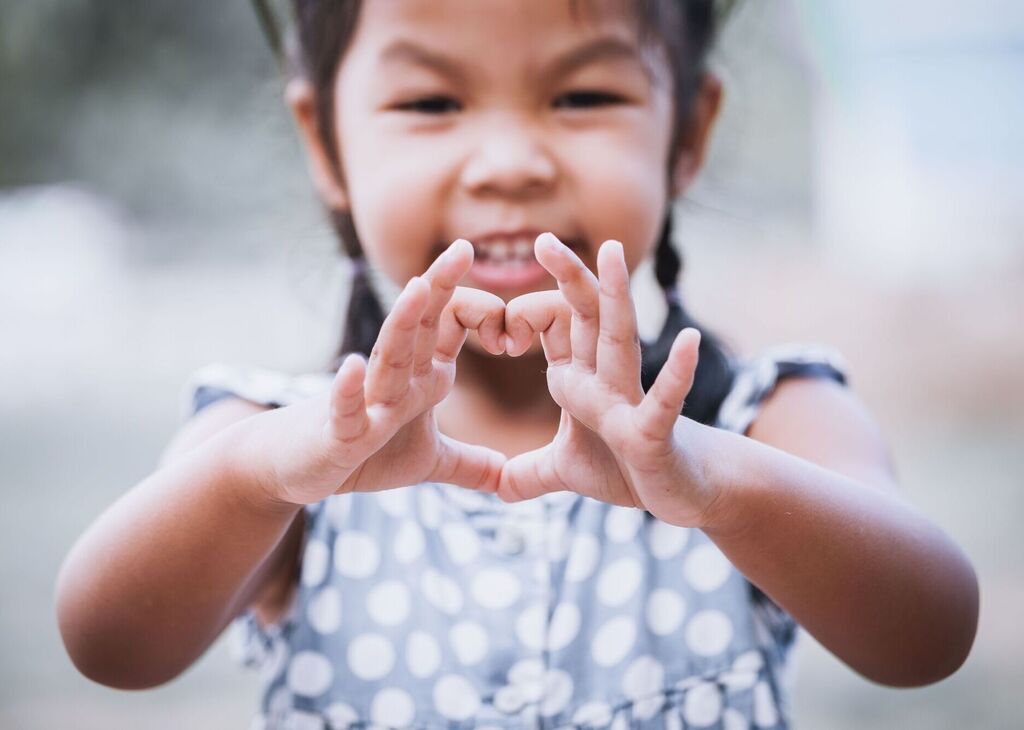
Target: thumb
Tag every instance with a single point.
(467, 465)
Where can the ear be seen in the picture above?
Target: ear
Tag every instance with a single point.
(301, 99)
(697, 133)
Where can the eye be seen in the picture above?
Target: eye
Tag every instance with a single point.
(429, 105)
(578, 99)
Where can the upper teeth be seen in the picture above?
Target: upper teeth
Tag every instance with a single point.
(505, 249)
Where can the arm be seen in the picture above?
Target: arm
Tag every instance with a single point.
(809, 512)
(155, 579)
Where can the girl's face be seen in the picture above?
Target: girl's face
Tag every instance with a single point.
(493, 121)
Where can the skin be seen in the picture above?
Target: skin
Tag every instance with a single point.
(805, 505)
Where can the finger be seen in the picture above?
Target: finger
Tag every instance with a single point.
(529, 475)
(618, 344)
(348, 420)
(471, 309)
(580, 288)
(468, 465)
(443, 275)
(391, 359)
(663, 403)
(545, 312)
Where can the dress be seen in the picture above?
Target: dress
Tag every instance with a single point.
(433, 606)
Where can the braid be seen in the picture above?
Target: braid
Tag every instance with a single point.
(364, 315)
(713, 377)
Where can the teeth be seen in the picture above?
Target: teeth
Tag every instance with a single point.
(514, 252)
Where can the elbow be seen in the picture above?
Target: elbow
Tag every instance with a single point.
(99, 650)
(935, 645)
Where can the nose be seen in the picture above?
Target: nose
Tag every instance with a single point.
(509, 159)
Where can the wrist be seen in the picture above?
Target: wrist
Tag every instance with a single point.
(721, 464)
(252, 479)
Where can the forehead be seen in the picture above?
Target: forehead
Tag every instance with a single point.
(500, 32)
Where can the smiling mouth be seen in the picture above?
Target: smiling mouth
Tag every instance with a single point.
(510, 251)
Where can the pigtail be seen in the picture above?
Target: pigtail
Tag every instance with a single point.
(714, 376)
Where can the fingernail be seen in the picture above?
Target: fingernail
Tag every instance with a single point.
(507, 342)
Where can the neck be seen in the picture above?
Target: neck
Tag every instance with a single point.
(498, 395)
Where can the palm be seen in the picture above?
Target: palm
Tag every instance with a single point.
(614, 443)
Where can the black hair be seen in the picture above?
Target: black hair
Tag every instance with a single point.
(686, 30)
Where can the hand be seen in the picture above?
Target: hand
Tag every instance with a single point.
(375, 429)
(614, 443)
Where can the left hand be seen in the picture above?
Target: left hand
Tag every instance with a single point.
(614, 443)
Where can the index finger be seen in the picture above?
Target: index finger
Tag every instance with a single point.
(471, 309)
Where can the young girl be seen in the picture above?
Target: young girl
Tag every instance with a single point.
(460, 526)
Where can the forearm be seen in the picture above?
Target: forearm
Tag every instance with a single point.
(870, 578)
(156, 578)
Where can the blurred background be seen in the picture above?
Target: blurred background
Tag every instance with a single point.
(864, 191)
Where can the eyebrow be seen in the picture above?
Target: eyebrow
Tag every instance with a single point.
(608, 48)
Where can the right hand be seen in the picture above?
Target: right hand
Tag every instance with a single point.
(375, 428)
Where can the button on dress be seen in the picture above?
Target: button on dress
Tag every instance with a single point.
(434, 606)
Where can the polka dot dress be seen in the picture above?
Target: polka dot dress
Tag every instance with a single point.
(433, 606)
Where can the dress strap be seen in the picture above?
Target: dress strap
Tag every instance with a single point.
(757, 376)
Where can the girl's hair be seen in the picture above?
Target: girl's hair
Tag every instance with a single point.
(685, 29)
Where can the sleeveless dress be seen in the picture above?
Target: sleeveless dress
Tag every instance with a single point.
(433, 606)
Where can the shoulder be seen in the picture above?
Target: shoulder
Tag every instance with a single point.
(810, 411)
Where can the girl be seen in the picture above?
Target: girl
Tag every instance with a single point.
(459, 526)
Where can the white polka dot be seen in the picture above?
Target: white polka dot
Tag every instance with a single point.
(644, 676)
(673, 721)
(324, 611)
(430, 506)
(593, 714)
(666, 540)
(392, 707)
(408, 542)
(461, 542)
(370, 656)
(702, 705)
(530, 626)
(647, 707)
(745, 672)
(622, 523)
(422, 654)
(613, 641)
(395, 502)
(619, 722)
(495, 589)
(356, 555)
(340, 716)
(619, 581)
(388, 603)
(707, 568)
(280, 701)
(709, 633)
(455, 697)
(557, 692)
(509, 699)
(315, 560)
(765, 712)
(733, 719)
(557, 539)
(665, 611)
(441, 591)
(469, 640)
(309, 674)
(337, 510)
(583, 556)
(527, 675)
(565, 624)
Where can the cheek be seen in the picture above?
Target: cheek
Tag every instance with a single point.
(624, 194)
(395, 196)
